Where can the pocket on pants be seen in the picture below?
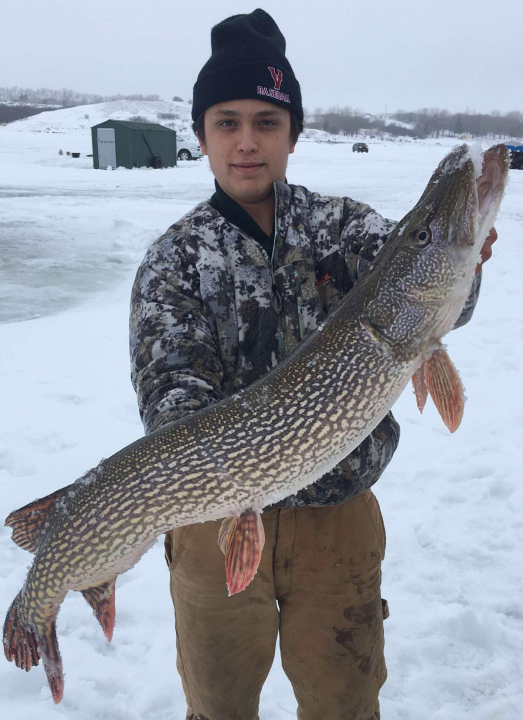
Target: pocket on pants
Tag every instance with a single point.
(175, 542)
(376, 519)
(382, 525)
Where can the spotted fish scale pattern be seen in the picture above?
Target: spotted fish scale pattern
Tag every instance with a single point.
(211, 313)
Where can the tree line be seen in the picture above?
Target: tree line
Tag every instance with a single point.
(434, 122)
(62, 98)
(428, 122)
(346, 121)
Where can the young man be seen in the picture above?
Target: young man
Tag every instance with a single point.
(219, 300)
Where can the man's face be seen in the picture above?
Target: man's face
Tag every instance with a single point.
(248, 143)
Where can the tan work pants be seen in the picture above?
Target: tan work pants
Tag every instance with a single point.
(318, 585)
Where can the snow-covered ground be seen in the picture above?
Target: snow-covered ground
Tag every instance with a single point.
(71, 239)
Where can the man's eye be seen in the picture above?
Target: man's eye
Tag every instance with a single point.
(268, 122)
(226, 123)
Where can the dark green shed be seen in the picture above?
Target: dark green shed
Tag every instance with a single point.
(122, 143)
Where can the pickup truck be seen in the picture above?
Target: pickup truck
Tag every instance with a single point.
(188, 149)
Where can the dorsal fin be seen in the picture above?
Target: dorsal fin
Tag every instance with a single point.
(29, 521)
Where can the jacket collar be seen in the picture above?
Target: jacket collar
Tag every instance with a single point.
(288, 204)
(235, 214)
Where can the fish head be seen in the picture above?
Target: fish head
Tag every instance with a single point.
(423, 275)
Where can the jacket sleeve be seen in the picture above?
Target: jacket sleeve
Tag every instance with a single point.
(175, 363)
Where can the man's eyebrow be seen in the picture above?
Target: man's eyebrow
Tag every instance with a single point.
(229, 113)
(261, 113)
(267, 113)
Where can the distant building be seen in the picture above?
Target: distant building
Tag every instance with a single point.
(122, 143)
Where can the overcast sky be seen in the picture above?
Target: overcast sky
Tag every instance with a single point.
(369, 54)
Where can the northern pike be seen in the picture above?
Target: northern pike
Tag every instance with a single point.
(279, 435)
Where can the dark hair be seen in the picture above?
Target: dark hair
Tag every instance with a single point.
(198, 127)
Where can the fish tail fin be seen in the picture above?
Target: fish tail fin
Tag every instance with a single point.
(20, 640)
(28, 523)
(25, 645)
(102, 600)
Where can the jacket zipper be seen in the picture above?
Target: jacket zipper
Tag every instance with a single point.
(278, 300)
(299, 302)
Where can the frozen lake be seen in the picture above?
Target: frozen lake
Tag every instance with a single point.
(71, 239)
(69, 232)
(74, 232)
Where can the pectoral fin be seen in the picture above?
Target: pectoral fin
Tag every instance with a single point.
(445, 388)
(241, 540)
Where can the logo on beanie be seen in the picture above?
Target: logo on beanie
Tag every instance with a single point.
(274, 92)
(276, 76)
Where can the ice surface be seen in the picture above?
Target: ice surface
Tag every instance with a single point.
(453, 505)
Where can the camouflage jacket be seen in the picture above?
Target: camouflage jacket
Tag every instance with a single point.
(211, 313)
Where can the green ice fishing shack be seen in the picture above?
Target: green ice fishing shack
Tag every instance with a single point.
(123, 143)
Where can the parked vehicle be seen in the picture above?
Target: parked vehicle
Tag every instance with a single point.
(516, 156)
(360, 147)
(188, 149)
(516, 160)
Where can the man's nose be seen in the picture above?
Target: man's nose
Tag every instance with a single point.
(247, 142)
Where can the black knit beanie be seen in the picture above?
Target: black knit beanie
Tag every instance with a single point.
(248, 61)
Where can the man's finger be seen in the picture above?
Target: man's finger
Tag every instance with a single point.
(486, 250)
(492, 236)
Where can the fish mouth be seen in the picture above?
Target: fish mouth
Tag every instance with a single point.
(464, 207)
(490, 184)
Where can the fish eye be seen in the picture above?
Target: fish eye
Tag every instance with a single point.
(422, 236)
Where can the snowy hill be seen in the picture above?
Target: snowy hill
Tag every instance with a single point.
(388, 119)
(176, 115)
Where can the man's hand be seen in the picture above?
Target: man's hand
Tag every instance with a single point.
(486, 250)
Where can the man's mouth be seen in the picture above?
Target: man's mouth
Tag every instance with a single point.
(247, 168)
